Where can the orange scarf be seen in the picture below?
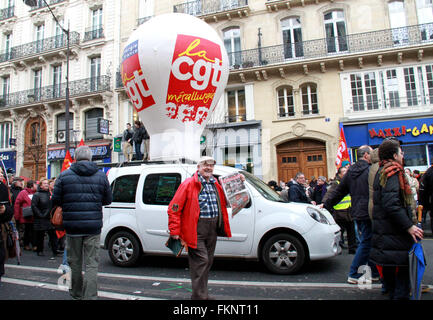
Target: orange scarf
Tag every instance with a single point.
(391, 167)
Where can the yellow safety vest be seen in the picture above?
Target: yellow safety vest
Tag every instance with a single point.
(345, 203)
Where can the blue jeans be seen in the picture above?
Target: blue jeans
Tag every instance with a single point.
(363, 252)
(138, 154)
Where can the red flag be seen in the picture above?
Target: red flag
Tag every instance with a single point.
(67, 161)
(342, 152)
(81, 143)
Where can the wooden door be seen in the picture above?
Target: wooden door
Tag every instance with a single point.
(304, 155)
(35, 148)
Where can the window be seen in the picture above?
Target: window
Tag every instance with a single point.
(57, 81)
(6, 90)
(292, 37)
(95, 73)
(5, 134)
(61, 127)
(425, 18)
(335, 28)
(309, 99)
(37, 85)
(35, 133)
(236, 106)
(60, 37)
(124, 188)
(160, 188)
(430, 152)
(8, 46)
(414, 155)
(409, 80)
(364, 91)
(97, 31)
(232, 43)
(39, 37)
(91, 125)
(390, 88)
(314, 158)
(397, 17)
(286, 106)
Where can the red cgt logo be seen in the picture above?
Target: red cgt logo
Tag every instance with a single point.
(195, 75)
(133, 78)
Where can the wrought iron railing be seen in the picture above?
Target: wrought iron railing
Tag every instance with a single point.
(42, 4)
(93, 33)
(56, 92)
(40, 46)
(336, 46)
(7, 13)
(202, 7)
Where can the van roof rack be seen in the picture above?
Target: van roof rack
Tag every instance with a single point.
(140, 162)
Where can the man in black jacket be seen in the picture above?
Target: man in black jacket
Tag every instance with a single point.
(355, 183)
(81, 191)
(297, 192)
(426, 192)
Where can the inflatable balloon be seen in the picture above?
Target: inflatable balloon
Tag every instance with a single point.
(175, 69)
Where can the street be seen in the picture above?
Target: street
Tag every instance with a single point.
(167, 278)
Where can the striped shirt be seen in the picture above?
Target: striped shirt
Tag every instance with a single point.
(207, 199)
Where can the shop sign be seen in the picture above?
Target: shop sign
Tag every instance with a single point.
(8, 159)
(97, 152)
(408, 130)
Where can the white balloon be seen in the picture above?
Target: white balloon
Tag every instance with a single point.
(175, 69)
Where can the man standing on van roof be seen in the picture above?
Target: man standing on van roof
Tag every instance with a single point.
(81, 191)
(197, 214)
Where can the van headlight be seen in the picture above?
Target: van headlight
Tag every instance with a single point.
(317, 215)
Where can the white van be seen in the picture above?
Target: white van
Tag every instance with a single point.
(284, 236)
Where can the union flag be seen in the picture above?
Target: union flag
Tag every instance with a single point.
(67, 161)
(342, 152)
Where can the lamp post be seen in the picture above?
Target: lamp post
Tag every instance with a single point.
(34, 3)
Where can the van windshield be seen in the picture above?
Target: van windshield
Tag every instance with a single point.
(262, 187)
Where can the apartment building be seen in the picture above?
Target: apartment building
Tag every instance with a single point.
(33, 72)
(298, 70)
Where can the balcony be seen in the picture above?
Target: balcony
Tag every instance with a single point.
(382, 40)
(40, 47)
(77, 88)
(378, 108)
(42, 4)
(214, 9)
(7, 13)
(94, 33)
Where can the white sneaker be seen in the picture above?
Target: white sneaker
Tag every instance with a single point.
(64, 268)
(352, 280)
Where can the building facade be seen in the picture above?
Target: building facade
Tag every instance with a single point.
(33, 73)
(298, 70)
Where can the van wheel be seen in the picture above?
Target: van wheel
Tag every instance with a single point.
(124, 249)
(283, 253)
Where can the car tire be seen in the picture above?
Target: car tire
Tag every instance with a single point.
(124, 249)
(283, 253)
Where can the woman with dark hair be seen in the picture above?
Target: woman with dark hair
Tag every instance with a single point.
(41, 206)
(393, 230)
(6, 215)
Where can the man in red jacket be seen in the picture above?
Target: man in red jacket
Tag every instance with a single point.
(197, 214)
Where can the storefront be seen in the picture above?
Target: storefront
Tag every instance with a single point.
(9, 159)
(416, 136)
(55, 157)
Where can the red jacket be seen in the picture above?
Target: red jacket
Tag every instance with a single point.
(23, 200)
(184, 210)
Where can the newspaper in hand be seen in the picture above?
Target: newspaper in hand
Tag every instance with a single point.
(235, 191)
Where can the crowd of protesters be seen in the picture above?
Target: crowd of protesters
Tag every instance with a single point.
(374, 201)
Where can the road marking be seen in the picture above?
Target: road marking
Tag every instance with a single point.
(214, 282)
(102, 294)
